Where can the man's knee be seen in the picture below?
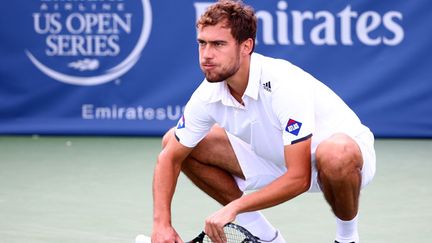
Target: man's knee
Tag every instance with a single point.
(215, 149)
(214, 137)
(338, 156)
(214, 144)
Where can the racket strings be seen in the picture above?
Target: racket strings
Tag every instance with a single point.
(233, 235)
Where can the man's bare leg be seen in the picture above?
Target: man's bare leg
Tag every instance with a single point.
(339, 164)
(211, 167)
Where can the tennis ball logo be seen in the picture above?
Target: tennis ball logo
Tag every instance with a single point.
(89, 42)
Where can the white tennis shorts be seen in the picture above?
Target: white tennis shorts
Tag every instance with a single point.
(260, 172)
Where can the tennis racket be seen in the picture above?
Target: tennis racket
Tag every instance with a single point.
(234, 234)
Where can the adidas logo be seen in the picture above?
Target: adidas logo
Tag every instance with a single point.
(267, 86)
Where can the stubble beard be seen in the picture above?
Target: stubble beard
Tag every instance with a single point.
(224, 74)
(214, 77)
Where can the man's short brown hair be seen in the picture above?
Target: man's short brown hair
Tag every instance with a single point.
(240, 18)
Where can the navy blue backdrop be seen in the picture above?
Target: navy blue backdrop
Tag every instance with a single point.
(127, 67)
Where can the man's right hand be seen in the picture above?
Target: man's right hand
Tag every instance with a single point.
(165, 235)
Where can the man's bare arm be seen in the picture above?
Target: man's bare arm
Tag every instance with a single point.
(165, 177)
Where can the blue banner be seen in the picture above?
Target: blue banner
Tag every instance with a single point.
(117, 67)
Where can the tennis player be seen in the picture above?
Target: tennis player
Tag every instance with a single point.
(262, 124)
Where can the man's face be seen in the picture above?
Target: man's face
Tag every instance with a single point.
(219, 52)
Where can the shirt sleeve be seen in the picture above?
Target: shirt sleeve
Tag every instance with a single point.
(293, 104)
(194, 124)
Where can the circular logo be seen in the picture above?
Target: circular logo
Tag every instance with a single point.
(89, 42)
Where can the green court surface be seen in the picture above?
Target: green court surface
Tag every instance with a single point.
(98, 190)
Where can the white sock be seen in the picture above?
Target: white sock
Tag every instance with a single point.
(347, 231)
(257, 224)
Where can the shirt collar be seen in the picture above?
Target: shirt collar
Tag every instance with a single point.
(252, 88)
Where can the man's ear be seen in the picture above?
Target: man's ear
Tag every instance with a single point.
(247, 46)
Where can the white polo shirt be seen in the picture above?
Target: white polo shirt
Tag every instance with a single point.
(282, 105)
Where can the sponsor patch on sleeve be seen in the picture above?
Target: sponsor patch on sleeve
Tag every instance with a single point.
(293, 127)
(181, 123)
